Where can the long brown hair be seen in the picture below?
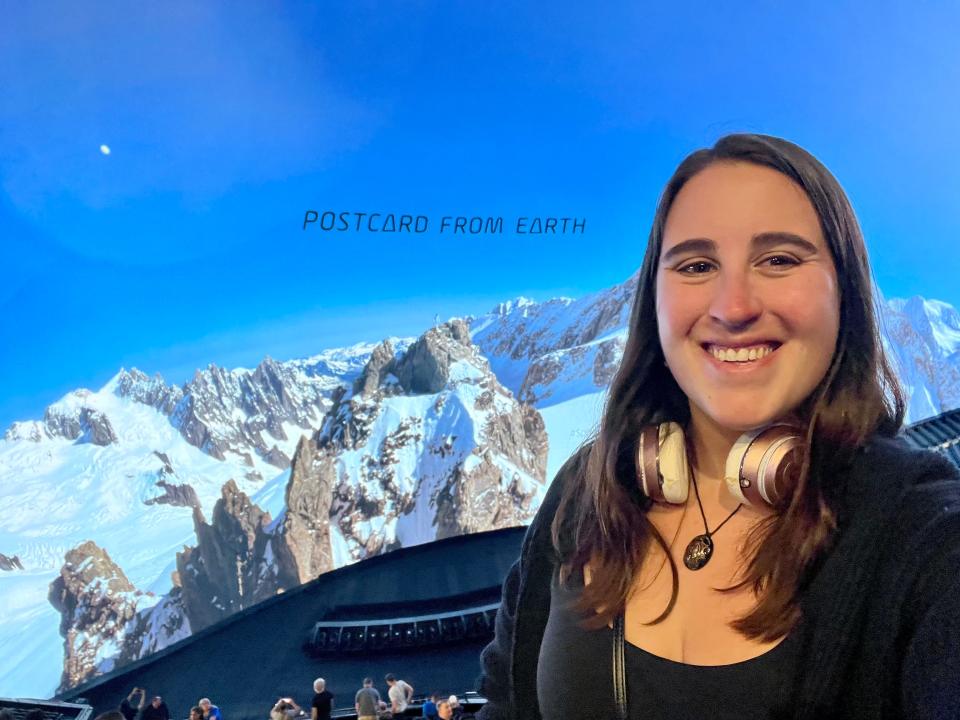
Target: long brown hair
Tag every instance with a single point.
(602, 518)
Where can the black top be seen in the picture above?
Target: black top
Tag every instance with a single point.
(150, 712)
(575, 681)
(880, 635)
(127, 710)
(322, 702)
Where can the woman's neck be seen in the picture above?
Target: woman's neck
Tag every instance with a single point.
(711, 445)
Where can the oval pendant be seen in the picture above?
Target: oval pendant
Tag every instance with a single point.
(698, 552)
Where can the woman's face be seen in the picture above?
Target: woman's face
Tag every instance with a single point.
(747, 304)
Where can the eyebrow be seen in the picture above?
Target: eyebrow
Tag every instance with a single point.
(759, 242)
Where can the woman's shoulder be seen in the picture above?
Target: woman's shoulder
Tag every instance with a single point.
(894, 498)
(569, 472)
(919, 492)
(537, 539)
(923, 550)
(891, 467)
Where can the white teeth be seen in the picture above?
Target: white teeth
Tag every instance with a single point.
(740, 355)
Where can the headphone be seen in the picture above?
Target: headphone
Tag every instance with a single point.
(761, 468)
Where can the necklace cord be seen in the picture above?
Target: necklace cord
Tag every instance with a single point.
(706, 528)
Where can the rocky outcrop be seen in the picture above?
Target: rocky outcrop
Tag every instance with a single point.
(178, 495)
(276, 457)
(174, 493)
(425, 367)
(105, 621)
(478, 499)
(306, 522)
(96, 428)
(165, 459)
(10, 563)
(233, 564)
(607, 360)
(59, 422)
(566, 373)
(96, 601)
(376, 370)
(74, 421)
(156, 628)
(154, 392)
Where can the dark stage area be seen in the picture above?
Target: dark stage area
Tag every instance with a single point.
(423, 613)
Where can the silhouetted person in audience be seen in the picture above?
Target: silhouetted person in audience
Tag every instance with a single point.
(209, 710)
(367, 701)
(196, 713)
(127, 707)
(156, 710)
(322, 702)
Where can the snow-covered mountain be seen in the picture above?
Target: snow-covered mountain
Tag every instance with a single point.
(923, 338)
(309, 464)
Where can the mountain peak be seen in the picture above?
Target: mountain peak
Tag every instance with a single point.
(509, 306)
(139, 387)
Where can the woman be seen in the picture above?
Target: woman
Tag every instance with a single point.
(672, 572)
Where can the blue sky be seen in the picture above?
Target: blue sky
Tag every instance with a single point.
(227, 121)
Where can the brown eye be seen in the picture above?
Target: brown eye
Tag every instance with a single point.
(780, 261)
(698, 267)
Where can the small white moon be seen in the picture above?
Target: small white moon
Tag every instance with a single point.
(105, 149)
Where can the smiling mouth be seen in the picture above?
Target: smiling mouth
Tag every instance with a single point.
(742, 355)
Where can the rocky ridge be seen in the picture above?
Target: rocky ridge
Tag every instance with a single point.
(555, 350)
(241, 413)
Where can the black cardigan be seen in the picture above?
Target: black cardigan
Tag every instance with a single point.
(880, 628)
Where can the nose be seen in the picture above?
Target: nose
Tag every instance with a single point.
(736, 303)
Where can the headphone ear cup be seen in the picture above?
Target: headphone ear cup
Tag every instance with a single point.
(764, 465)
(662, 468)
(734, 464)
(648, 463)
